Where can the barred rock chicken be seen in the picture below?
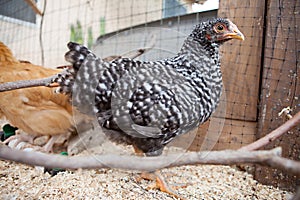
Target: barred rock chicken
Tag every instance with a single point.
(36, 111)
(147, 104)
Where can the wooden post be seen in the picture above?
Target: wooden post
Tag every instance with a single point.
(280, 84)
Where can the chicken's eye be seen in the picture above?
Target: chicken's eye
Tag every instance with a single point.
(219, 28)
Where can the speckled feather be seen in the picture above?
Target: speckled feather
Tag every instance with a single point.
(147, 104)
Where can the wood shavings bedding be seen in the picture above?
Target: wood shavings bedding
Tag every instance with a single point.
(20, 181)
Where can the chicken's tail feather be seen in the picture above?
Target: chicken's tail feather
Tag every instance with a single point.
(76, 55)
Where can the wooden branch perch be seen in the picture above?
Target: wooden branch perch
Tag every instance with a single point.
(26, 84)
(228, 157)
(294, 121)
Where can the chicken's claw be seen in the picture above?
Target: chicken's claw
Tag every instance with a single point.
(159, 184)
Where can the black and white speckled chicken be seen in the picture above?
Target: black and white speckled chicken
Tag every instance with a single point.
(146, 103)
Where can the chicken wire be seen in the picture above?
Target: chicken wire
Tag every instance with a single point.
(260, 74)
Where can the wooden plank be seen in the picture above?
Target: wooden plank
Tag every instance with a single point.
(241, 61)
(280, 85)
(32, 4)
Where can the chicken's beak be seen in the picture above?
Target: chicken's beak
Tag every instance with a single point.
(234, 34)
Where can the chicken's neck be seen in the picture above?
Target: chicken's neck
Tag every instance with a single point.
(200, 65)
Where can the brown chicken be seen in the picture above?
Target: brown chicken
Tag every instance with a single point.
(37, 111)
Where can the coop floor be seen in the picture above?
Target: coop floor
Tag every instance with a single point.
(19, 181)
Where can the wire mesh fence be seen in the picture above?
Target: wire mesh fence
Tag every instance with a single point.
(261, 74)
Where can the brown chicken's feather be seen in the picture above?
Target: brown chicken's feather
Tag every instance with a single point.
(37, 111)
(6, 56)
